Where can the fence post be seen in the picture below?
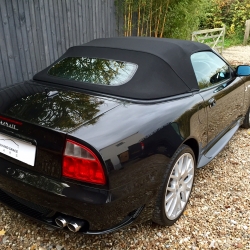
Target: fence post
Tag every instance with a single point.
(223, 37)
(247, 30)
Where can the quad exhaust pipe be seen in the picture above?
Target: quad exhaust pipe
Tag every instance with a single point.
(62, 221)
(74, 225)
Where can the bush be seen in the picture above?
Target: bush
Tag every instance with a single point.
(232, 13)
(160, 18)
(179, 18)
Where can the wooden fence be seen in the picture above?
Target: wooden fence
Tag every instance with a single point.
(247, 31)
(212, 37)
(34, 33)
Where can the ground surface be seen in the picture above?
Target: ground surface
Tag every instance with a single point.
(217, 217)
(238, 55)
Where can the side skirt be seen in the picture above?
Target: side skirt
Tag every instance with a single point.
(218, 146)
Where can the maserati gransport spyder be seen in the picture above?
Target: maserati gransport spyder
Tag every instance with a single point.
(114, 130)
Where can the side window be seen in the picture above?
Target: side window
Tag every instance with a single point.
(209, 69)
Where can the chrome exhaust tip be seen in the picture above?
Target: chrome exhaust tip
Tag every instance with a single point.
(62, 221)
(75, 225)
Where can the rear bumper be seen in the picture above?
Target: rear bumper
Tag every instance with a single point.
(20, 207)
(44, 199)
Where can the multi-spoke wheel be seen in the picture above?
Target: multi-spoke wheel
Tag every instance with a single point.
(179, 186)
(246, 122)
(176, 187)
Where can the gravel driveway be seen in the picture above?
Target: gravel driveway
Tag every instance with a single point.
(217, 216)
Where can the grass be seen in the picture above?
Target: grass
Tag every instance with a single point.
(234, 39)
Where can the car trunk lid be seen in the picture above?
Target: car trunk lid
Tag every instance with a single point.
(36, 119)
(58, 109)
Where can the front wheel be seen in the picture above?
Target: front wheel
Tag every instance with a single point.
(176, 187)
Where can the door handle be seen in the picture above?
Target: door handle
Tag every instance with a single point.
(211, 102)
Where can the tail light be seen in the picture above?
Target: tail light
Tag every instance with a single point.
(81, 164)
(10, 120)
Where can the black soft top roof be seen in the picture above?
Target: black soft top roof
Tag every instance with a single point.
(164, 66)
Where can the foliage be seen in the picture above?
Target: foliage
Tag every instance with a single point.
(179, 18)
(233, 13)
(160, 18)
(234, 39)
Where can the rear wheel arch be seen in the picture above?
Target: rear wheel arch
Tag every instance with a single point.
(193, 144)
(246, 122)
(175, 188)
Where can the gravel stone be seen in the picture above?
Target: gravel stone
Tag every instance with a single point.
(217, 216)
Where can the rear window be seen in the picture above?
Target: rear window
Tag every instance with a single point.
(94, 70)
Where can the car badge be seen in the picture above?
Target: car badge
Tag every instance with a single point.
(8, 125)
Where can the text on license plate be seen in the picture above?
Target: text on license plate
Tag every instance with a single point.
(17, 149)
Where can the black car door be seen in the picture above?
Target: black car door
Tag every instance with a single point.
(223, 93)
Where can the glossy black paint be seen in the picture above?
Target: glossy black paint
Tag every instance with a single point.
(133, 140)
(61, 110)
(227, 107)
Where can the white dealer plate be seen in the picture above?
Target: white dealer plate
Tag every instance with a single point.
(17, 149)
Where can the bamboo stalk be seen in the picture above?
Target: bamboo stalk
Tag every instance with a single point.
(142, 22)
(146, 28)
(125, 19)
(128, 24)
(150, 21)
(147, 22)
(155, 20)
(164, 19)
(158, 21)
(139, 16)
(131, 18)
(163, 25)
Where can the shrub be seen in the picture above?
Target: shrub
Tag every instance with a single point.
(160, 18)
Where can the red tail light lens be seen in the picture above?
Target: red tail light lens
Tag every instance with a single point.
(10, 120)
(81, 164)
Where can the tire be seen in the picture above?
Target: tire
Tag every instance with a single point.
(246, 122)
(176, 190)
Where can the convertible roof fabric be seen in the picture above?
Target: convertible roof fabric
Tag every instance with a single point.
(164, 66)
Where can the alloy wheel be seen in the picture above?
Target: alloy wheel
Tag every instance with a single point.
(179, 186)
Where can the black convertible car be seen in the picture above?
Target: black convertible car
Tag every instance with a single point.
(113, 131)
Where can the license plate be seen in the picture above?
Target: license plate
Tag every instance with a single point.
(17, 149)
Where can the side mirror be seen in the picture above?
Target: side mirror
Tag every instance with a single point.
(243, 70)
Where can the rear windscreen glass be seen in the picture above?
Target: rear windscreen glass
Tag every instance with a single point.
(94, 70)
